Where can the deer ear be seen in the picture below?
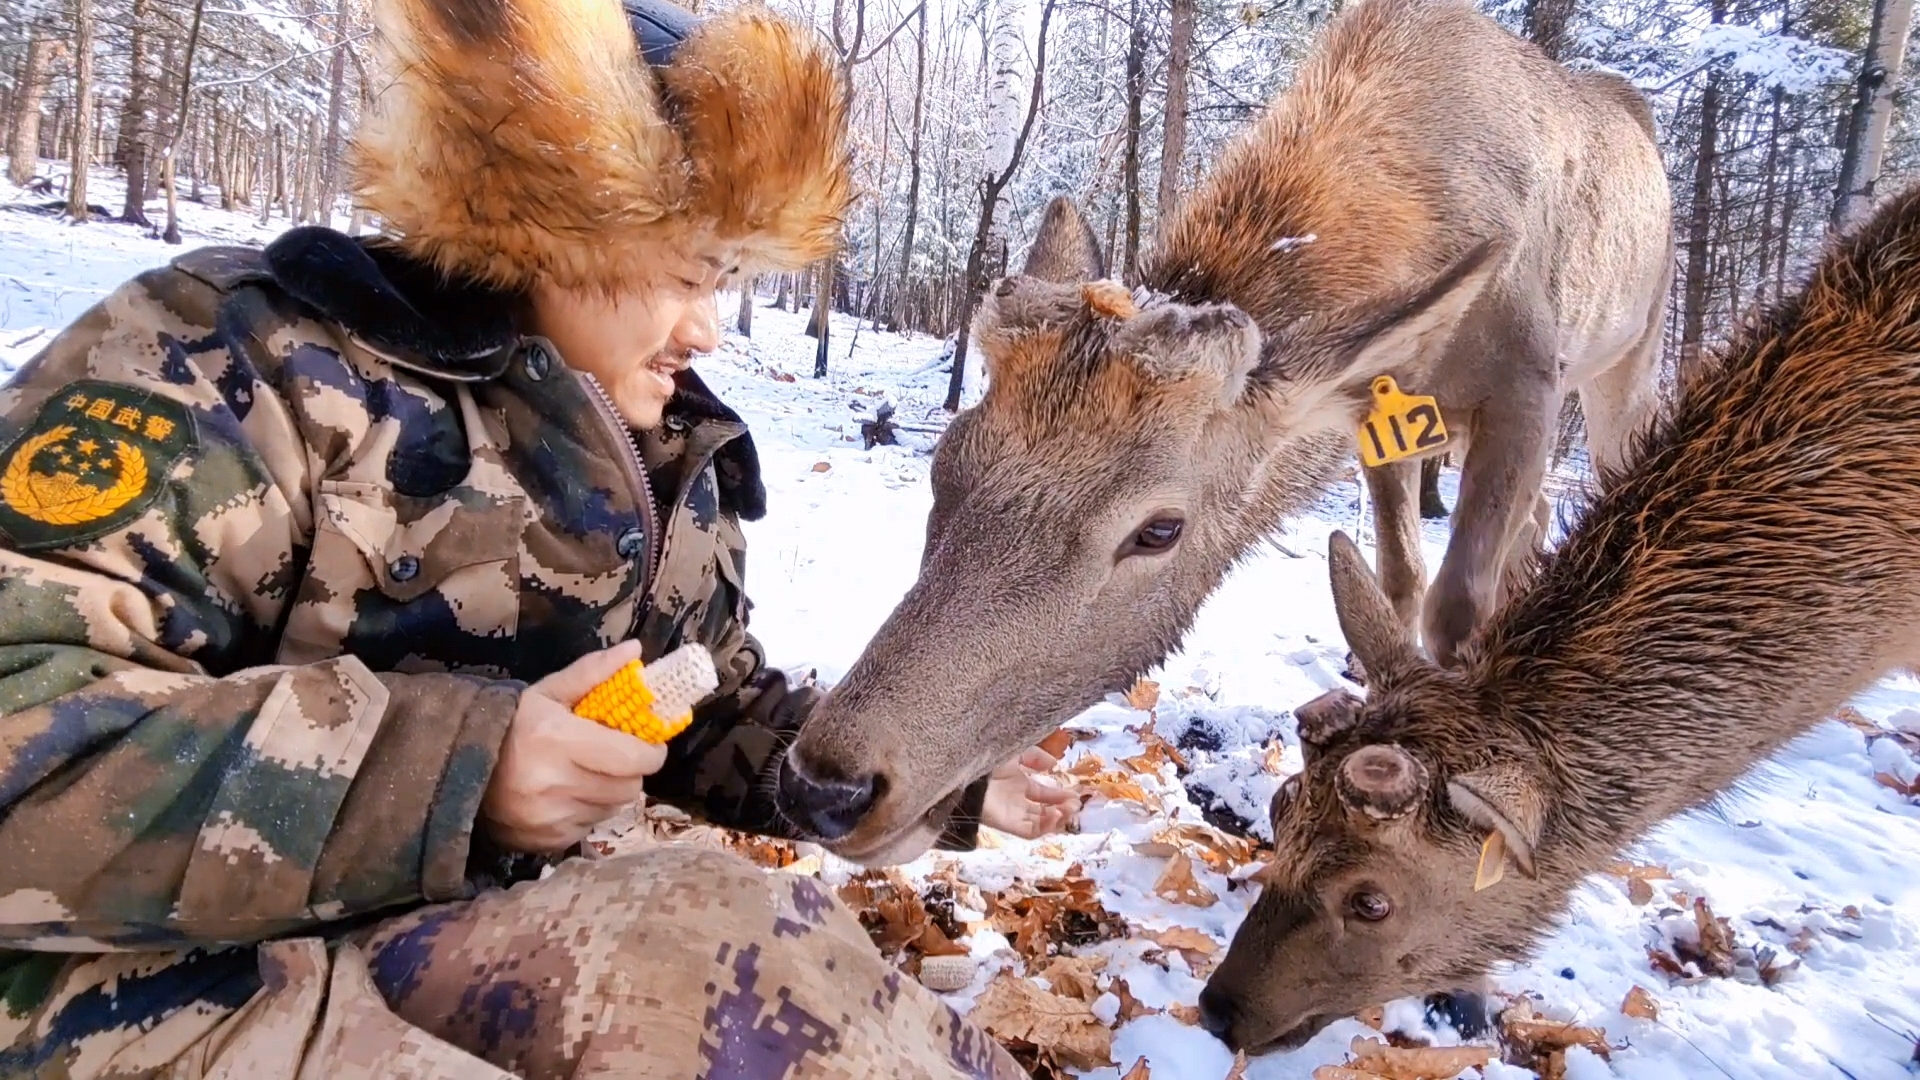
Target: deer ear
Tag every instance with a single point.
(1413, 328)
(1506, 802)
(1374, 633)
(1064, 250)
(1381, 782)
(1215, 345)
(1351, 346)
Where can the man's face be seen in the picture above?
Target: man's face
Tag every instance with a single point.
(635, 341)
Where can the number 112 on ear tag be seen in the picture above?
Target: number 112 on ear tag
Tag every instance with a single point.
(1400, 425)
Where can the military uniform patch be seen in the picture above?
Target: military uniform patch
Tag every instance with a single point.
(92, 460)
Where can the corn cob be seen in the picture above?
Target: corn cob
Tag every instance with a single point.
(653, 703)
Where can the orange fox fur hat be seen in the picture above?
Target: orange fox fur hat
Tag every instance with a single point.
(514, 141)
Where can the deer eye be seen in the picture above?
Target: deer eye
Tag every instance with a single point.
(1155, 536)
(1370, 906)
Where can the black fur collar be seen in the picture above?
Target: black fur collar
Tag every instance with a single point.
(463, 330)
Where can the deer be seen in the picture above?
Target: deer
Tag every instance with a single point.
(1750, 567)
(1432, 206)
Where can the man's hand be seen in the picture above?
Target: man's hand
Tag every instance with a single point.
(559, 774)
(1020, 802)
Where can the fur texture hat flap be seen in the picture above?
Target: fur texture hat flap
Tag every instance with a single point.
(520, 140)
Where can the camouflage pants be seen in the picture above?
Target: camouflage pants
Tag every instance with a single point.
(674, 962)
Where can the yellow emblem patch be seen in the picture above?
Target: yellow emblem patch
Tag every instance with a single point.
(90, 462)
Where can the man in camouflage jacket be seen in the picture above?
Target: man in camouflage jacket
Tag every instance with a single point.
(292, 540)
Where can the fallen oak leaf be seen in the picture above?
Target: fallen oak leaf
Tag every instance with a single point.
(1178, 885)
(1273, 760)
(1131, 1008)
(1238, 1071)
(1013, 1008)
(1143, 695)
(1057, 743)
(1140, 1071)
(1194, 945)
(1345, 1072)
(1186, 1014)
(1073, 976)
(1548, 1035)
(1416, 1063)
(1374, 1016)
(1640, 1005)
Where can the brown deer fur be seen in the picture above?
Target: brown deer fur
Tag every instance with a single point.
(1751, 568)
(1432, 199)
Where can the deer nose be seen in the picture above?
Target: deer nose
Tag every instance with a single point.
(830, 808)
(1216, 1014)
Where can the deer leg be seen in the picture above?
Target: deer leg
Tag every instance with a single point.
(1621, 400)
(1499, 491)
(1396, 526)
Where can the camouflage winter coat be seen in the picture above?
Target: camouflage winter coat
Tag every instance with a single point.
(282, 536)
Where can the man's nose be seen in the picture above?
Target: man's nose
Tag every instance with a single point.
(699, 327)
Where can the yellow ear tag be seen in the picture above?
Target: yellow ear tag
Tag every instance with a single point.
(1493, 862)
(1400, 425)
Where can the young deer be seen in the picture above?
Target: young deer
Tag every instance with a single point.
(1432, 200)
(1753, 566)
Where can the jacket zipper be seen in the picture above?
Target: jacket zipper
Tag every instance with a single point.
(637, 481)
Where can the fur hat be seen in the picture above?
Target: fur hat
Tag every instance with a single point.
(514, 141)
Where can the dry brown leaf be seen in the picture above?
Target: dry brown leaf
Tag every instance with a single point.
(1090, 765)
(1640, 1005)
(1548, 1035)
(1239, 1069)
(1073, 976)
(1345, 1072)
(1012, 1008)
(1714, 953)
(934, 942)
(1114, 785)
(1178, 885)
(1638, 891)
(1416, 1063)
(1186, 1014)
(1856, 720)
(1155, 752)
(1144, 695)
(822, 466)
(1185, 939)
(1374, 1016)
(1139, 1071)
(1050, 850)
(888, 906)
(1894, 782)
(1273, 761)
(1057, 743)
(1131, 1008)
(1217, 849)
(1802, 942)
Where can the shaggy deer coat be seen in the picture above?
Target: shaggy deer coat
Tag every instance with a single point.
(1434, 200)
(1753, 566)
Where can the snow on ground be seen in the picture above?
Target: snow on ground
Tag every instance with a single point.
(1812, 858)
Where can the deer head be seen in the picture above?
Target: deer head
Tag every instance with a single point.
(1407, 850)
(1126, 452)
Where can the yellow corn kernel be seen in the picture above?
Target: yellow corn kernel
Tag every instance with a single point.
(653, 702)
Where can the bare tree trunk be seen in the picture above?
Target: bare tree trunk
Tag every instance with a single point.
(171, 153)
(1548, 24)
(23, 149)
(336, 104)
(744, 321)
(1872, 109)
(1173, 142)
(134, 132)
(1130, 168)
(1693, 309)
(983, 232)
(783, 286)
(913, 170)
(82, 109)
(822, 325)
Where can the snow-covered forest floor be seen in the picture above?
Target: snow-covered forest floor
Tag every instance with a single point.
(1813, 864)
